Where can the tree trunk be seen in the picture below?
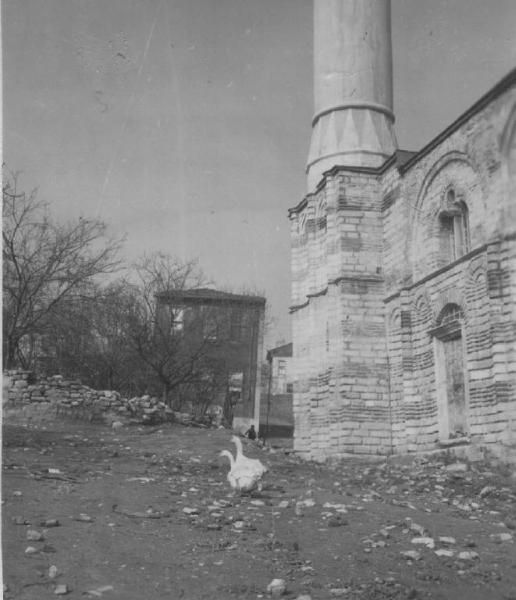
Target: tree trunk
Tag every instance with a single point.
(10, 353)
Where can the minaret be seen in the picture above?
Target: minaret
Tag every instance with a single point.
(353, 120)
(341, 396)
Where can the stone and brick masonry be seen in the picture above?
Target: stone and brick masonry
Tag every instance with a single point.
(26, 400)
(404, 295)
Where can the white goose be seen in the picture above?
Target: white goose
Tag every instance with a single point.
(253, 465)
(240, 478)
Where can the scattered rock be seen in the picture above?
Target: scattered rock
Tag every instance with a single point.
(337, 521)
(411, 555)
(20, 521)
(339, 592)
(457, 467)
(340, 508)
(485, 491)
(467, 555)
(385, 533)
(99, 591)
(308, 502)
(447, 541)
(61, 589)
(30, 550)
(444, 552)
(190, 511)
(50, 523)
(424, 541)
(84, 518)
(419, 529)
(35, 536)
(277, 587)
(501, 537)
(52, 572)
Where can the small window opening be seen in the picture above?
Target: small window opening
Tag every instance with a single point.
(178, 316)
(454, 227)
(449, 314)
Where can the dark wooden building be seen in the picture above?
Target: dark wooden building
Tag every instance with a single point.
(228, 329)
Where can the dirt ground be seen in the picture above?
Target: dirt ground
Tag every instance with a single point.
(147, 513)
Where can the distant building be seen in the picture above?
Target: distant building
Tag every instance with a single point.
(276, 416)
(230, 329)
(403, 263)
(280, 360)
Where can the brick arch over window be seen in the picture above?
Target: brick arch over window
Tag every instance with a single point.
(508, 152)
(451, 312)
(449, 215)
(320, 215)
(451, 297)
(435, 169)
(476, 281)
(422, 312)
(302, 222)
(508, 143)
(394, 320)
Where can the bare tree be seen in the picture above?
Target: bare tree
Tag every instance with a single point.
(172, 357)
(87, 339)
(44, 263)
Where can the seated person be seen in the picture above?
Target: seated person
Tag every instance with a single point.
(250, 433)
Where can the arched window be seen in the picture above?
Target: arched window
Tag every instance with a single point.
(449, 322)
(301, 223)
(321, 215)
(454, 227)
(450, 313)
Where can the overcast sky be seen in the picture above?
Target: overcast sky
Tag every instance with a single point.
(185, 124)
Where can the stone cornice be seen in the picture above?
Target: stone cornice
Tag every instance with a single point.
(349, 278)
(437, 272)
(508, 81)
(357, 104)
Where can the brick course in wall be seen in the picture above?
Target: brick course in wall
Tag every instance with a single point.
(376, 261)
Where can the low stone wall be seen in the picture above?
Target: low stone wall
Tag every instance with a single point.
(45, 399)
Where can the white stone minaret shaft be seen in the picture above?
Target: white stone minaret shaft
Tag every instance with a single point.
(353, 120)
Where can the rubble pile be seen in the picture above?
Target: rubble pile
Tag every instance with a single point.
(71, 398)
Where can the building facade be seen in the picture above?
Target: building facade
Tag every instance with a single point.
(277, 419)
(280, 365)
(403, 264)
(227, 330)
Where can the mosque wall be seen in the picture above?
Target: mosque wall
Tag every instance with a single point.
(404, 296)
